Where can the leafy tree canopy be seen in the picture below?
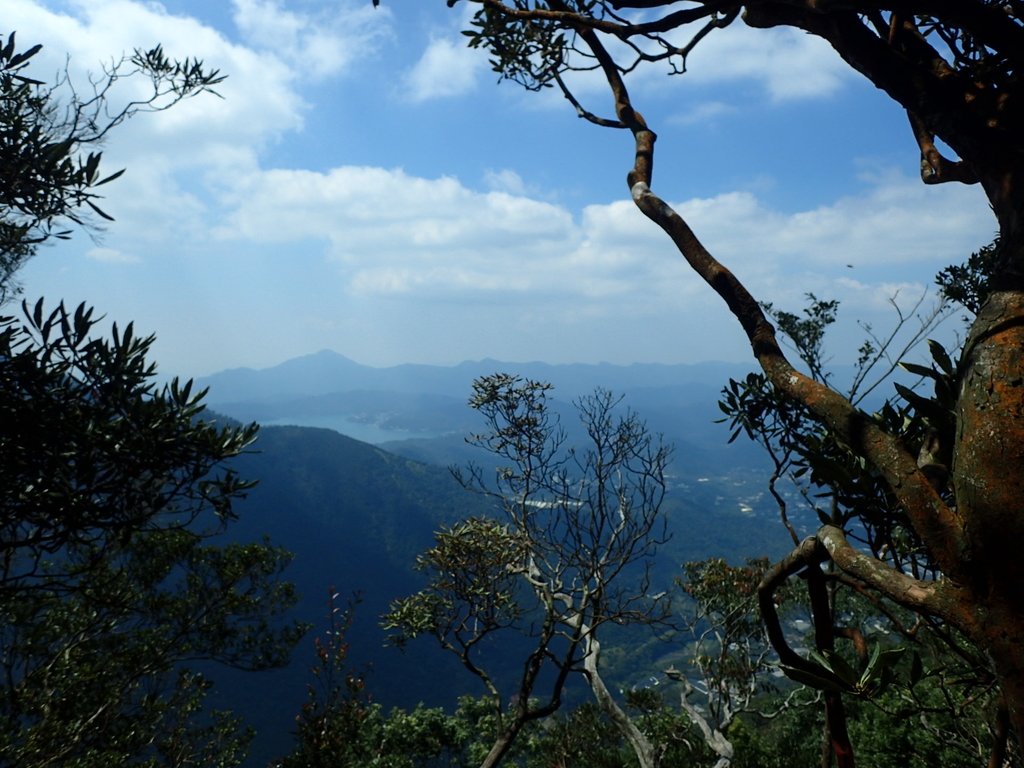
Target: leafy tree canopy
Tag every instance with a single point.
(111, 489)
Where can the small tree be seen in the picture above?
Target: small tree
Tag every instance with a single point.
(569, 553)
(728, 658)
(111, 487)
(340, 727)
(95, 452)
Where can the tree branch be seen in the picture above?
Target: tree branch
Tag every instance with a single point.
(563, 15)
(809, 554)
(911, 72)
(935, 168)
(581, 111)
(937, 598)
(937, 525)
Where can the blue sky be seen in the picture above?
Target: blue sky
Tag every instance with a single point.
(366, 186)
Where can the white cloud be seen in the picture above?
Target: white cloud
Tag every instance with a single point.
(705, 112)
(111, 256)
(322, 44)
(390, 257)
(446, 69)
(260, 98)
(787, 63)
(390, 234)
(169, 155)
(505, 180)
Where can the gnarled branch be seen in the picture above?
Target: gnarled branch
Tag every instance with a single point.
(934, 521)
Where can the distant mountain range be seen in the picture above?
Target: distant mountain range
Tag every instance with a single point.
(387, 405)
(326, 371)
(356, 514)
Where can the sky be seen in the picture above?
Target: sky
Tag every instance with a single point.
(367, 185)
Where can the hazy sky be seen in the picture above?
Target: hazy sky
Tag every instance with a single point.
(365, 185)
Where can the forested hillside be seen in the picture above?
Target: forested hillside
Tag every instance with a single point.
(355, 516)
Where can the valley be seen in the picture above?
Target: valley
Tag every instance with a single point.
(355, 513)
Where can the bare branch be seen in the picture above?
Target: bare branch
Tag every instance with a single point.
(584, 113)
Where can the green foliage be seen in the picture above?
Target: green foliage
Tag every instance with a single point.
(969, 284)
(339, 727)
(111, 488)
(793, 739)
(48, 172)
(530, 53)
(835, 480)
(570, 553)
(581, 737)
(473, 571)
(94, 451)
(534, 43)
(730, 649)
(807, 333)
(725, 590)
(924, 671)
(93, 676)
(335, 713)
(871, 681)
(111, 491)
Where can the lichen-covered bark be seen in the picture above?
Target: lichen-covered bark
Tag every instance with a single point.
(1002, 635)
(988, 476)
(988, 469)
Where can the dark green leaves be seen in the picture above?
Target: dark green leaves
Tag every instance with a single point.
(92, 449)
(836, 675)
(111, 489)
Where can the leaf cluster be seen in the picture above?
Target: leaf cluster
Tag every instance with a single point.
(872, 680)
(93, 449)
(970, 283)
(837, 482)
(532, 52)
(474, 570)
(845, 491)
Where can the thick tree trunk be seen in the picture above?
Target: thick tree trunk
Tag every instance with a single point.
(1003, 637)
(975, 543)
(988, 474)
